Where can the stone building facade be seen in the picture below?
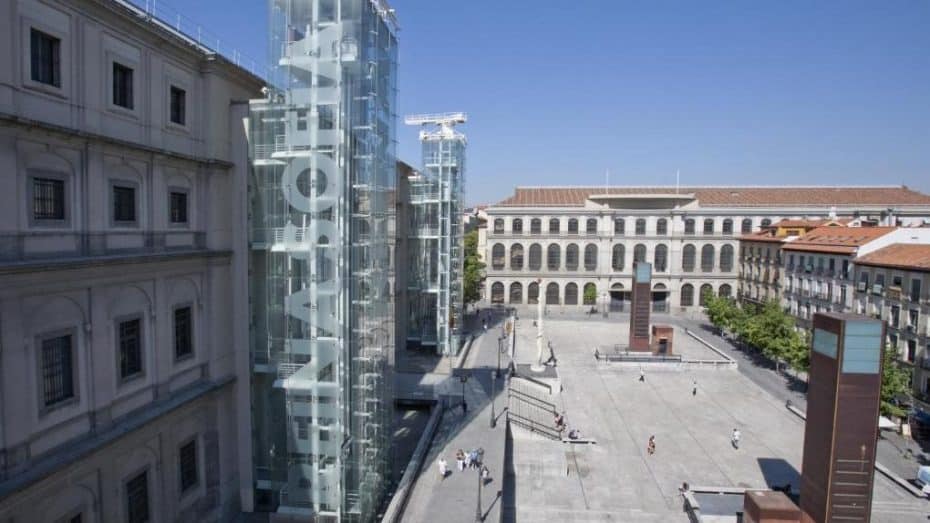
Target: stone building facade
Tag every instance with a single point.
(573, 247)
(122, 227)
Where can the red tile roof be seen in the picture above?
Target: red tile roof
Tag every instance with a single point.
(836, 240)
(728, 196)
(762, 236)
(911, 256)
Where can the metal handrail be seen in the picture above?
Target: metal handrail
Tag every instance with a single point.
(534, 426)
(533, 398)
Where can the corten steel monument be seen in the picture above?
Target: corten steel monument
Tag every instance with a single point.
(639, 309)
(842, 418)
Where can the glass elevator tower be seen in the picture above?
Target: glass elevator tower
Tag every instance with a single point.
(322, 149)
(436, 231)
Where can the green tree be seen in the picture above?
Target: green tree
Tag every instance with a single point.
(894, 383)
(590, 294)
(474, 269)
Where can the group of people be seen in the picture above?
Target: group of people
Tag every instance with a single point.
(560, 426)
(471, 459)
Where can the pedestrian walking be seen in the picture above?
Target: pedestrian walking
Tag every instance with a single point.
(460, 459)
(443, 468)
(642, 375)
(734, 439)
(694, 388)
(485, 323)
(468, 460)
(485, 475)
(651, 446)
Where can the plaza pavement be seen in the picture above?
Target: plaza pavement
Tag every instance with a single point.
(615, 480)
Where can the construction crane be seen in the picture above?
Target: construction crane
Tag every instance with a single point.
(444, 121)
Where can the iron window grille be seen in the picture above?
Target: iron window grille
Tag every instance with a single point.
(137, 499)
(124, 204)
(48, 199)
(57, 370)
(178, 207)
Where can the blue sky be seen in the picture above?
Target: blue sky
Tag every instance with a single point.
(785, 92)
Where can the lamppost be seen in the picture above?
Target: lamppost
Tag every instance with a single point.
(478, 517)
(464, 378)
(493, 421)
(500, 349)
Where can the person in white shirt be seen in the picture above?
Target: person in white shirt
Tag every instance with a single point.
(734, 439)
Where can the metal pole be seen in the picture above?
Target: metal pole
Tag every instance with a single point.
(478, 508)
(500, 348)
(493, 392)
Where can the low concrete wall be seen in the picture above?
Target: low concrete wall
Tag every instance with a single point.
(398, 502)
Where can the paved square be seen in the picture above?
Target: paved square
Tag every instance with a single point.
(616, 480)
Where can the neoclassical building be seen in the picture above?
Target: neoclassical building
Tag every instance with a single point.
(574, 247)
(122, 239)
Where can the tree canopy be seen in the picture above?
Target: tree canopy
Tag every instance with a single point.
(474, 269)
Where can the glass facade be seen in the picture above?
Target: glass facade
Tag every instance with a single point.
(322, 150)
(436, 230)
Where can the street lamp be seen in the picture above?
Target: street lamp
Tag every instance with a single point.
(500, 349)
(478, 517)
(493, 421)
(464, 378)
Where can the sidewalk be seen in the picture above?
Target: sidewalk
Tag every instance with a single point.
(901, 456)
(455, 498)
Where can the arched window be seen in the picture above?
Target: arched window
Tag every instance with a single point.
(535, 257)
(572, 226)
(707, 258)
(591, 226)
(662, 227)
(571, 257)
(590, 257)
(619, 226)
(687, 295)
(747, 226)
(552, 257)
(688, 258)
(554, 225)
(535, 226)
(726, 258)
(706, 292)
(552, 294)
(689, 226)
(516, 293)
(497, 256)
(725, 290)
(590, 294)
(517, 226)
(571, 294)
(766, 222)
(660, 258)
(618, 260)
(728, 226)
(640, 226)
(499, 226)
(532, 293)
(708, 226)
(639, 253)
(516, 257)
(497, 292)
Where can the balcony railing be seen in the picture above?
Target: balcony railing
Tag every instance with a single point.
(42, 245)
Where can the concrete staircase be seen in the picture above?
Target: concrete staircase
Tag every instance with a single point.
(529, 406)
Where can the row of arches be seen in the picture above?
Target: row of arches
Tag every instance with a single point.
(589, 294)
(554, 226)
(618, 259)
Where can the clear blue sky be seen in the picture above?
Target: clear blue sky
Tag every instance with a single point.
(787, 92)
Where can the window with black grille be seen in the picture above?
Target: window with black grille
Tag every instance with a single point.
(137, 499)
(124, 204)
(183, 332)
(45, 55)
(122, 86)
(178, 207)
(187, 465)
(178, 105)
(48, 199)
(57, 370)
(130, 348)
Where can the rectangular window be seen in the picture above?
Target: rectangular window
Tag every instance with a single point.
(130, 348)
(57, 370)
(915, 289)
(187, 465)
(48, 199)
(137, 499)
(122, 86)
(45, 55)
(178, 207)
(178, 103)
(124, 204)
(183, 332)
